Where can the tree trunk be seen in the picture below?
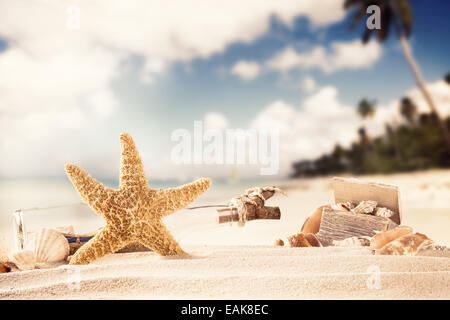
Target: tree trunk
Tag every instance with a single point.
(417, 74)
(407, 51)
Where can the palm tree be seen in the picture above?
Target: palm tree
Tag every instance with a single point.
(408, 109)
(399, 14)
(366, 109)
(363, 137)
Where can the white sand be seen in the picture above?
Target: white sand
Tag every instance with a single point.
(255, 272)
(243, 263)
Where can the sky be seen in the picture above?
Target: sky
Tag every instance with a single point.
(76, 74)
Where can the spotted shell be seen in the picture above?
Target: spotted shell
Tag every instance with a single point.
(406, 245)
(48, 245)
(24, 259)
(298, 240)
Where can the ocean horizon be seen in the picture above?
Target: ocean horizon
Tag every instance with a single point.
(35, 195)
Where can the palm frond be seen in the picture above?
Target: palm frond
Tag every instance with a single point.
(351, 3)
(386, 19)
(367, 34)
(405, 16)
(360, 13)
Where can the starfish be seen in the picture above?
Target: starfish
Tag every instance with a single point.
(132, 213)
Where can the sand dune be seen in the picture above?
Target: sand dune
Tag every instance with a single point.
(231, 262)
(254, 272)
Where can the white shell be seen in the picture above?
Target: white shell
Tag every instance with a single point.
(48, 245)
(384, 212)
(347, 206)
(351, 242)
(24, 259)
(366, 206)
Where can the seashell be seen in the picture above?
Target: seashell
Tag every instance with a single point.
(352, 242)
(406, 245)
(383, 212)
(312, 223)
(366, 206)
(313, 240)
(24, 259)
(381, 239)
(279, 242)
(48, 245)
(4, 268)
(298, 240)
(347, 206)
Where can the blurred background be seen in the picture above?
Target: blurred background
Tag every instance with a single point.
(347, 100)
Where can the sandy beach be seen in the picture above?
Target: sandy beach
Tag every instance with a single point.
(256, 272)
(231, 262)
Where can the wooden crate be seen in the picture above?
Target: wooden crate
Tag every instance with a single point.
(339, 225)
(354, 190)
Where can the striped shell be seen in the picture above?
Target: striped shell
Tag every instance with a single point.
(24, 259)
(48, 245)
(379, 240)
(313, 240)
(406, 245)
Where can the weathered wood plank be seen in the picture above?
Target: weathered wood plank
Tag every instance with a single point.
(354, 190)
(339, 225)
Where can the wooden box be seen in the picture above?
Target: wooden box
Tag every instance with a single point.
(339, 225)
(354, 190)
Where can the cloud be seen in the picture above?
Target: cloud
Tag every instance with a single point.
(56, 81)
(159, 31)
(246, 70)
(308, 84)
(343, 55)
(439, 91)
(322, 120)
(308, 130)
(215, 120)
